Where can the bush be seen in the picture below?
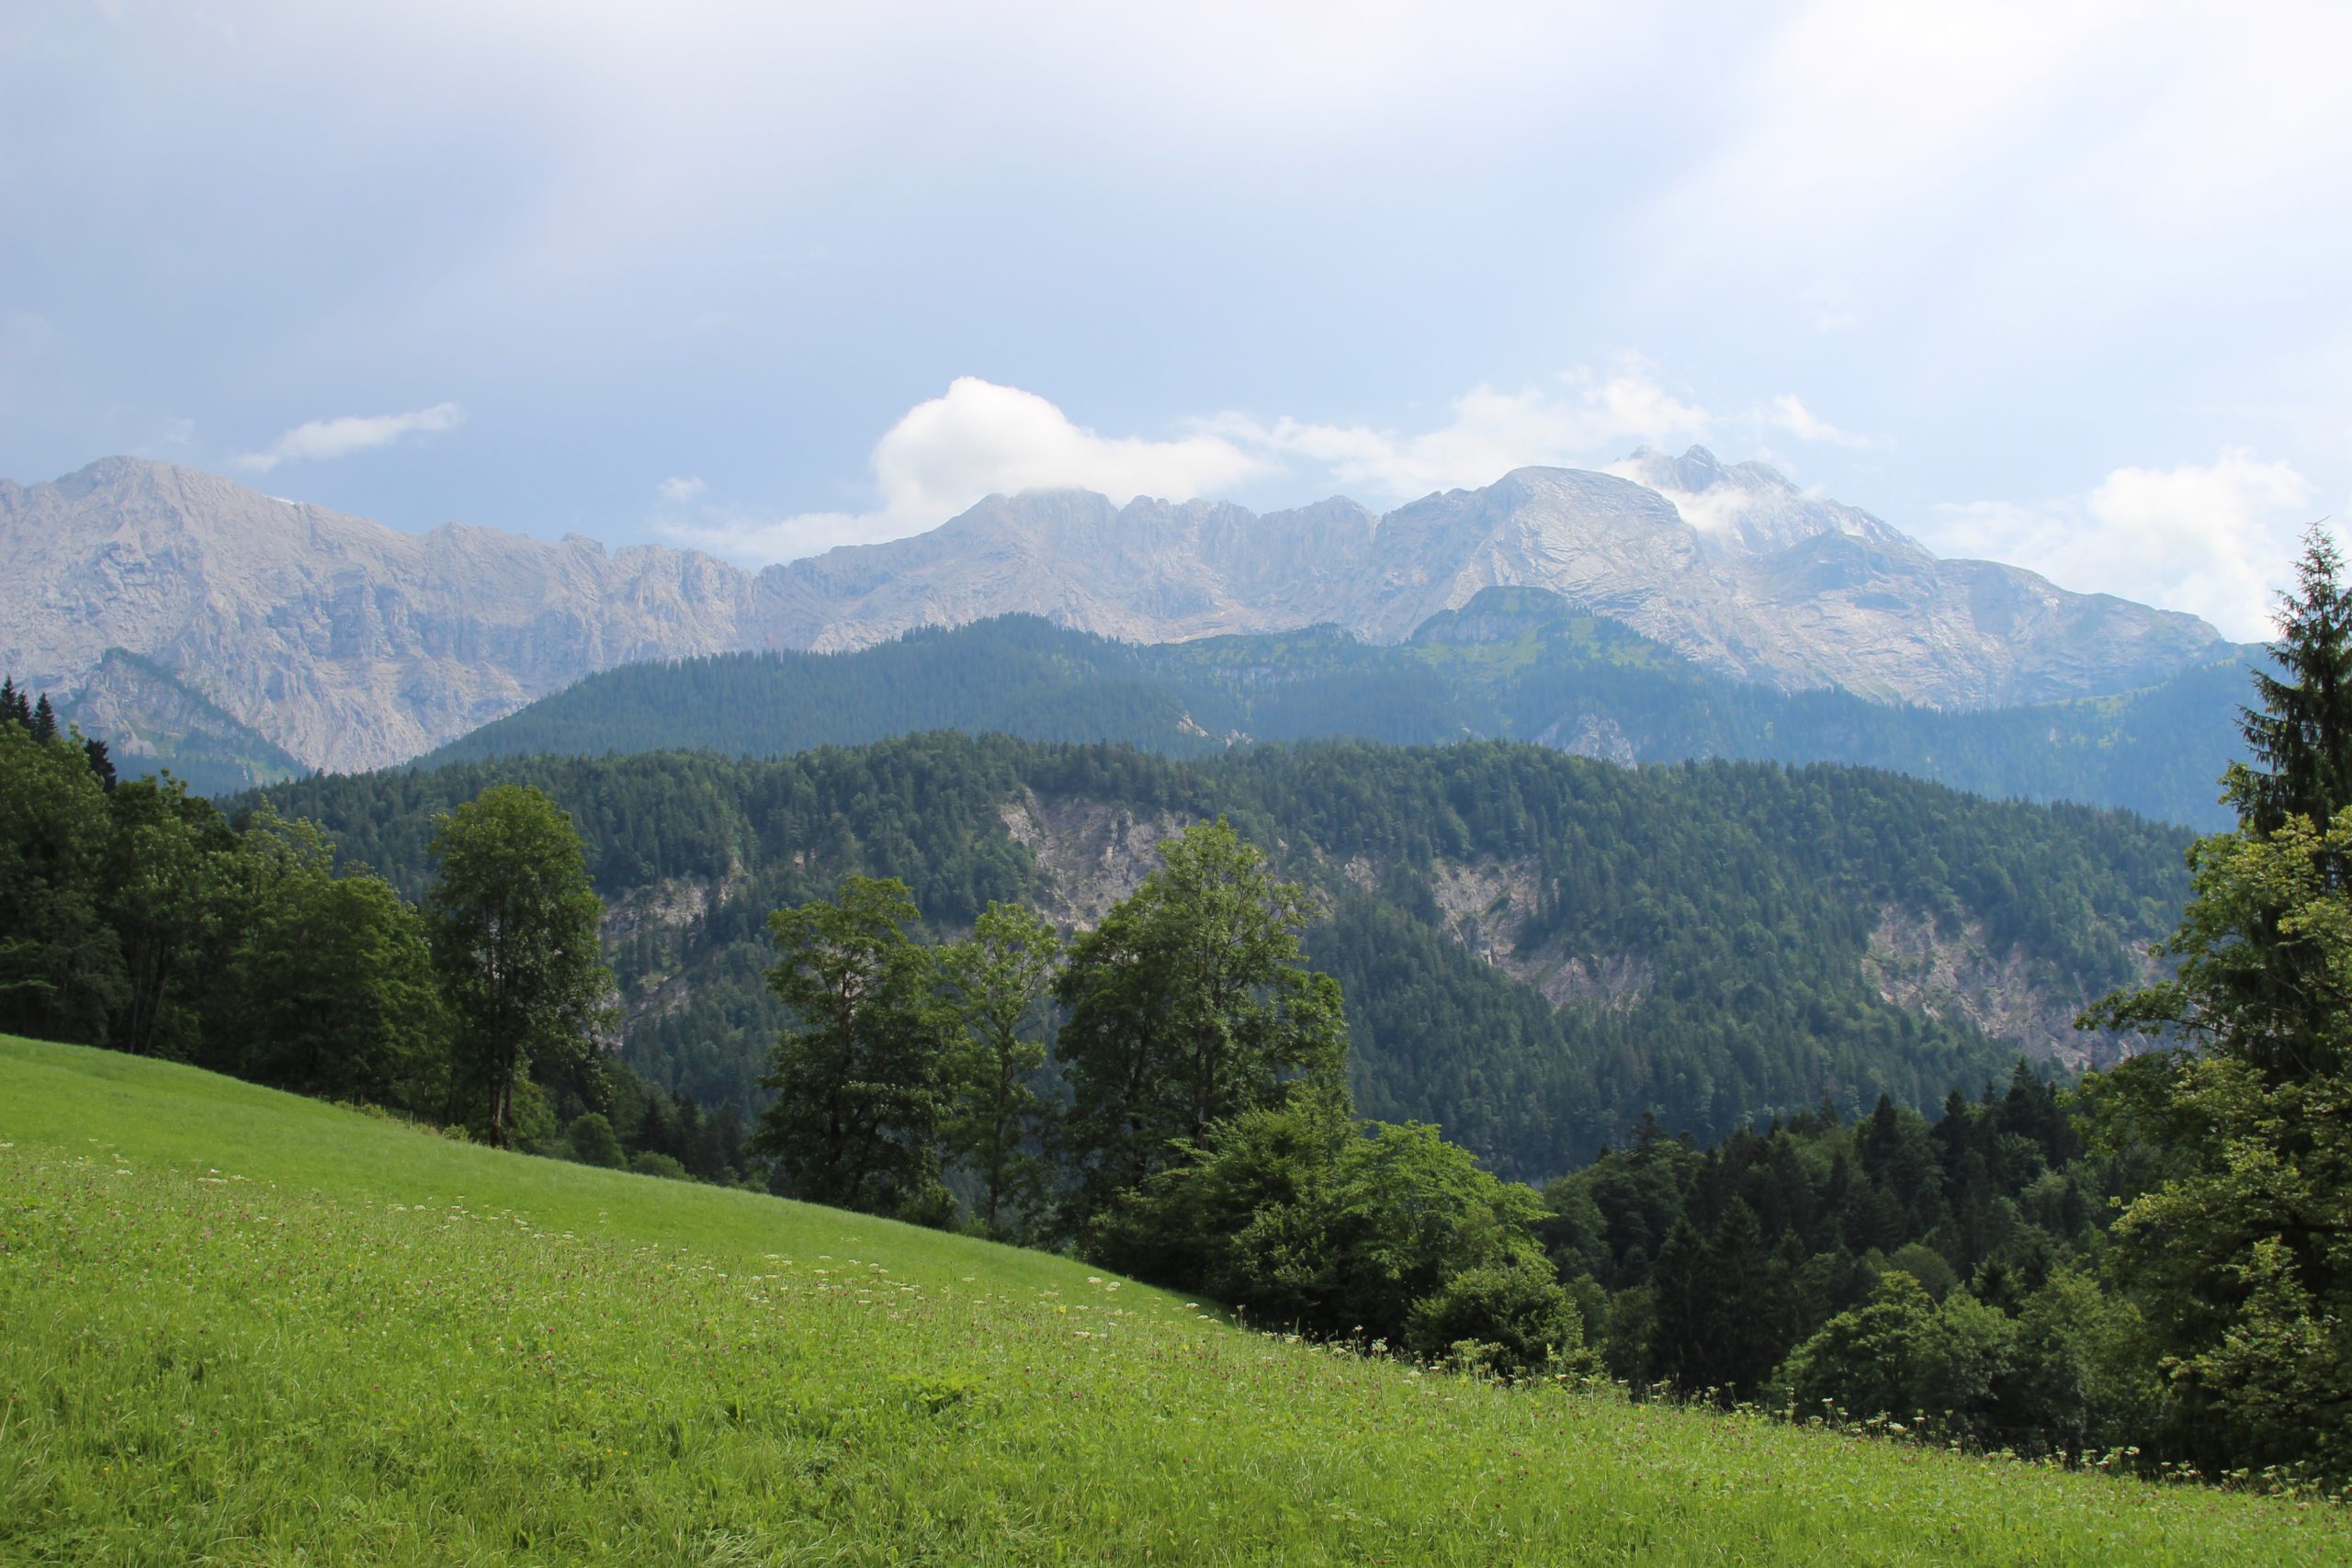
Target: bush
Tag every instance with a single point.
(1515, 1315)
(1366, 1230)
(648, 1162)
(593, 1142)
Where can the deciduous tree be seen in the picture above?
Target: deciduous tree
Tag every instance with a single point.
(997, 1123)
(857, 1070)
(1189, 1005)
(514, 931)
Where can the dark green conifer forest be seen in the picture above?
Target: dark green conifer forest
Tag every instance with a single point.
(1512, 664)
(1728, 908)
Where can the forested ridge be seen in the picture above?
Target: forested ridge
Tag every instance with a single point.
(1512, 664)
(1740, 899)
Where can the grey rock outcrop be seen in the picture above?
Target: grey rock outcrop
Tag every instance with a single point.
(1747, 574)
(351, 645)
(348, 644)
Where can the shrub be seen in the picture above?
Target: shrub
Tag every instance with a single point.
(595, 1143)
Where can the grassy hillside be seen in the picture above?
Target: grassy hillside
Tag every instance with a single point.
(1512, 664)
(238, 1328)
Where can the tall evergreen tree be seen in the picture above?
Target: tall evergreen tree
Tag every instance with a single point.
(44, 720)
(2244, 1256)
(2300, 732)
(100, 763)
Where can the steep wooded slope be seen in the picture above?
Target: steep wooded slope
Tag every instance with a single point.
(1537, 948)
(1514, 663)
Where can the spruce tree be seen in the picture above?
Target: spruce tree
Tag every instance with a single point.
(2238, 1257)
(44, 720)
(2301, 734)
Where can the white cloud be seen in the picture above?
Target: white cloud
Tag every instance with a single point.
(1578, 416)
(2216, 539)
(980, 439)
(319, 439)
(1788, 411)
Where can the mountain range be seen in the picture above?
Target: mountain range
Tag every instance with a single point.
(184, 614)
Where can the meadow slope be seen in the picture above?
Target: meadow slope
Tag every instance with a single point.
(240, 1327)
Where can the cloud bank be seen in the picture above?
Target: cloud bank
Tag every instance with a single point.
(981, 438)
(1573, 417)
(318, 440)
(2212, 539)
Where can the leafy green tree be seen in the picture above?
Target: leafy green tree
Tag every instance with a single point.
(1376, 1232)
(857, 1070)
(1189, 1005)
(996, 1122)
(512, 923)
(593, 1142)
(61, 973)
(1864, 1362)
(166, 885)
(2084, 1378)
(2243, 1252)
(332, 987)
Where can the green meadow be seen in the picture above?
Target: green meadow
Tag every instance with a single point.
(242, 1328)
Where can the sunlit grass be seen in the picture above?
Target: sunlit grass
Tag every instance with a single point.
(237, 1326)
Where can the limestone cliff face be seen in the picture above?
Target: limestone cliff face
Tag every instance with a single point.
(351, 645)
(348, 644)
(1148, 572)
(1733, 567)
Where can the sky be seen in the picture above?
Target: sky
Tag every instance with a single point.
(2064, 283)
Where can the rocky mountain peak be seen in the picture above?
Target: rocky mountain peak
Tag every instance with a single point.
(352, 645)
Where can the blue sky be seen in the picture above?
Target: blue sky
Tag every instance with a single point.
(2062, 284)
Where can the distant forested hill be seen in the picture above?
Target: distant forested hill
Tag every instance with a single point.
(1537, 948)
(1514, 663)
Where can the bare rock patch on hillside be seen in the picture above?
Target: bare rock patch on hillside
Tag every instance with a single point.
(1488, 905)
(1956, 974)
(1092, 854)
